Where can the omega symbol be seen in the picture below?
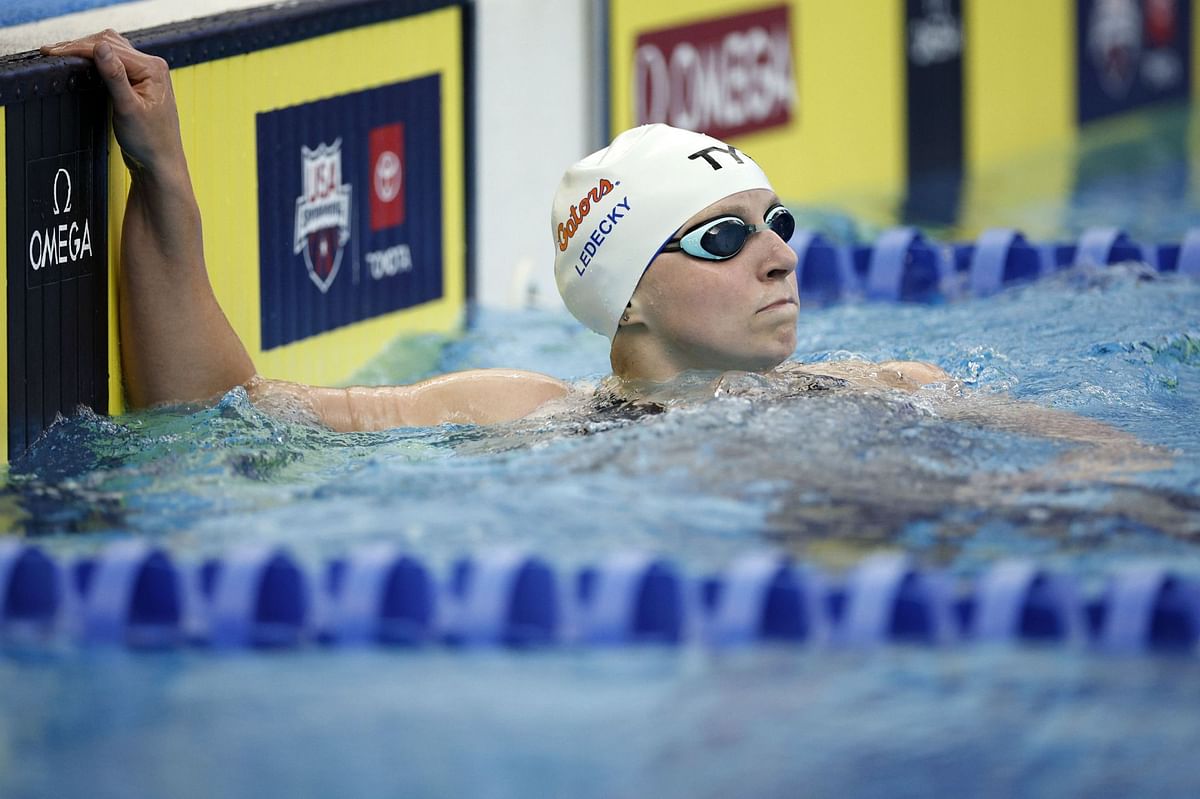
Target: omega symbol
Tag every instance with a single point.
(62, 173)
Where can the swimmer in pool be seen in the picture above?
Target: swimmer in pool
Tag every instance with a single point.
(670, 243)
(722, 297)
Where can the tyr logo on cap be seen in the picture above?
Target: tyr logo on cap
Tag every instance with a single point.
(727, 149)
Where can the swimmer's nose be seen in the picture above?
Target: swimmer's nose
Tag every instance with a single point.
(778, 260)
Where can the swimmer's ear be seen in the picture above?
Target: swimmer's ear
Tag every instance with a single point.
(632, 314)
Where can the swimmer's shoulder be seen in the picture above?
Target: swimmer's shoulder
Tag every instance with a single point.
(905, 375)
(918, 372)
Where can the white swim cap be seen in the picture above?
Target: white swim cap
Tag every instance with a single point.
(614, 210)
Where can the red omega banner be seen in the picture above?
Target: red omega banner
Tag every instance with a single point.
(724, 76)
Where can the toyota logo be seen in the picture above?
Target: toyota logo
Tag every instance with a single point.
(387, 176)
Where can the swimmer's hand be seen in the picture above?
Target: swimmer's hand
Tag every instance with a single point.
(144, 116)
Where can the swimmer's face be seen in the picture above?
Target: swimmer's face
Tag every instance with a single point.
(739, 313)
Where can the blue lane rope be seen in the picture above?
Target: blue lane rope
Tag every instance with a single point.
(903, 265)
(135, 595)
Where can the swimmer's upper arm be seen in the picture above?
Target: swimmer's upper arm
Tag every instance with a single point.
(478, 396)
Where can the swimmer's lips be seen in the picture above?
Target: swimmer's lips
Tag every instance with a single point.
(781, 304)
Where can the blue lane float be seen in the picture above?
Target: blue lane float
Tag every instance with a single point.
(1148, 608)
(903, 265)
(379, 595)
(763, 597)
(826, 271)
(30, 590)
(256, 596)
(631, 598)
(135, 595)
(1001, 257)
(1189, 254)
(888, 599)
(1016, 600)
(131, 594)
(502, 597)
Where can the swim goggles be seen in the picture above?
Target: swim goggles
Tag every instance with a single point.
(722, 238)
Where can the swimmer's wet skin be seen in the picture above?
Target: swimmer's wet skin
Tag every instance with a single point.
(668, 242)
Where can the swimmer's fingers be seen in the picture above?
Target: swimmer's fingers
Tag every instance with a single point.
(144, 116)
(116, 77)
(84, 47)
(132, 77)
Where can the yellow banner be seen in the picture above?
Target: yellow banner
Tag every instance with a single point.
(1019, 81)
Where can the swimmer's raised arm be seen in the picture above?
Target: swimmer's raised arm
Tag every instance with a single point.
(176, 343)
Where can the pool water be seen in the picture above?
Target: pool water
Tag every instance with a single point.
(829, 475)
(956, 475)
(20, 12)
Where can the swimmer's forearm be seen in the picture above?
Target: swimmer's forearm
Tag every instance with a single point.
(480, 396)
(176, 343)
(361, 408)
(1016, 416)
(1106, 452)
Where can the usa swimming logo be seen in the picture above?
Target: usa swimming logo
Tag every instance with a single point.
(322, 213)
(350, 208)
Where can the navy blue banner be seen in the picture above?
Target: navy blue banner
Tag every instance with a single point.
(56, 150)
(349, 208)
(1131, 53)
(934, 44)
